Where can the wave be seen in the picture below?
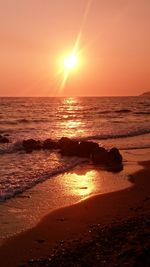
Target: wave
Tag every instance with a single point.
(119, 135)
(33, 120)
(11, 192)
(135, 147)
(23, 121)
(17, 146)
(142, 113)
(11, 147)
(105, 112)
(11, 122)
(123, 111)
(114, 111)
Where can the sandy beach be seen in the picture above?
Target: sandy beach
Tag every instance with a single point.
(73, 224)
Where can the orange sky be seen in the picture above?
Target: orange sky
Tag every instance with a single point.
(114, 47)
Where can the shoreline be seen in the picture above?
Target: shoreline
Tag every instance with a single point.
(72, 222)
(25, 211)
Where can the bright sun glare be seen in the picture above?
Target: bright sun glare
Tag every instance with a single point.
(70, 62)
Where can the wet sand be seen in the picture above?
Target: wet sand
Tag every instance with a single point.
(25, 211)
(74, 222)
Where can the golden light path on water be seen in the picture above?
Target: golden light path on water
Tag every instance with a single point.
(73, 127)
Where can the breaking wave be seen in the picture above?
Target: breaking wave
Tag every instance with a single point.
(11, 190)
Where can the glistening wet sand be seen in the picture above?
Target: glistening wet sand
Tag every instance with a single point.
(73, 222)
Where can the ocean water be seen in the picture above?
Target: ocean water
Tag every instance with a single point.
(111, 121)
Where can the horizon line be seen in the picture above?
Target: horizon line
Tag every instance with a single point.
(1, 96)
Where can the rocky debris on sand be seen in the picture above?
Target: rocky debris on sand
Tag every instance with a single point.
(121, 243)
(3, 139)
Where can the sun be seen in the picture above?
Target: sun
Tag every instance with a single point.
(70, 62)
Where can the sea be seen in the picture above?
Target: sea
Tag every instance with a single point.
(123, 122)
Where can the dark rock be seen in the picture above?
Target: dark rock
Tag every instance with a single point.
(100, 156)
(67, 146)
(30, 144)
(115, 160)
(115, 156)
(86, 149)
(115, 167)
(50, 144)
(70, 147)
(3, 139)
(63, 142)
(111, 159)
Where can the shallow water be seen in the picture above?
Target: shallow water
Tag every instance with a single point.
(25, 211)
(111, 121)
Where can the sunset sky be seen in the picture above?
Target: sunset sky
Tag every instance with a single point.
(113, 49)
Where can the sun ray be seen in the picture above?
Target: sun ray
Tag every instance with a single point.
(65, 78)
(75, 49)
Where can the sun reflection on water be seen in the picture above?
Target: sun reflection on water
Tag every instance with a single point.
(81, 185)
(70, 100)
(72, 124)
